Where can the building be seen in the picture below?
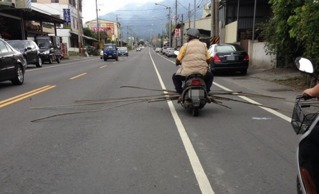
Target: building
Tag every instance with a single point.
(44, 17)
(110, 28)
(72, 29)
(237, 23)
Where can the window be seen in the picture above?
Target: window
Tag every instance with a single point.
(3, 47)
(34, 1)
(54, 1)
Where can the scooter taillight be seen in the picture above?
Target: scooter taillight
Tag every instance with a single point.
(196, 82)
(308, 182)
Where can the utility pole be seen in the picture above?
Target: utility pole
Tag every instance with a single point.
(217, 17)
(175, 23)
(195, 13)
(80, 32)
(212, 15)
(189, 15)
(97, 23)
(117, 30)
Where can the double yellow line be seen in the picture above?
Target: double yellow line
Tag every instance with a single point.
(24, 95)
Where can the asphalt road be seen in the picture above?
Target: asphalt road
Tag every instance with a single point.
(141, 147)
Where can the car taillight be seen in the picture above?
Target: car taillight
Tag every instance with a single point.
(308, 182)
(196, 82)
(246, 57)
(217, 59)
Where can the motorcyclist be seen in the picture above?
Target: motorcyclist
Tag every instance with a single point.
(314, 92)
(308, 150)
(193, 57)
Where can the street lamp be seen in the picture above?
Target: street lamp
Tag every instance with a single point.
(169, 23)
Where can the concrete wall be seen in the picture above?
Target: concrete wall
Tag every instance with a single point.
(258, 56)
(231, 32)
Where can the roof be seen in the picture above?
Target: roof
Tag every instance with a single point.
(29, 14)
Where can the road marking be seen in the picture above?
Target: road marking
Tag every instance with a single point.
(24, 95)
(71, 62)
(278, 114)
(198, 170)
(103, 66)
(78, 76)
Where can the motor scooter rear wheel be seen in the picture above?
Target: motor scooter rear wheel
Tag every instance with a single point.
(195, 111)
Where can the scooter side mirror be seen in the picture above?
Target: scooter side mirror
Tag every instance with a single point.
(304, 65)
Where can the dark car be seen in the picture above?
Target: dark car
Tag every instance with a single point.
(29, 49)
(110, 52)
(122, 51)
(12, 64)
(49, 48)
(228, 57)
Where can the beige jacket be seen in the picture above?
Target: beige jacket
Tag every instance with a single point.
(193, 56)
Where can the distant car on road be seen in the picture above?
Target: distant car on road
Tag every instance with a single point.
(123, 51)
(110, 51)
(12, 64)
(228, 57)
(138, 49)
(29, 49)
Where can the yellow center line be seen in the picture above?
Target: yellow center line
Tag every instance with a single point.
(78, 76)
(24, 96)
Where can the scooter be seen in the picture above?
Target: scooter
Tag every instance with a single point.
(194, 96)
(305, 122)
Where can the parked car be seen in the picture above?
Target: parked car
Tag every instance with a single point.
(50, 48)
(158, 50)
(110, 51)
(29, 49)
(228, 57)
(12, 64)
(123, 51)
(170, 52)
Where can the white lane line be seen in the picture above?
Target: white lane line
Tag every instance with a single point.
(278, 114)
(199, 172)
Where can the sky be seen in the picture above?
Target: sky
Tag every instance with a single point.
(106, 6)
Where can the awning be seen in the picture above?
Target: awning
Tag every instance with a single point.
(29, 14)
(86, 37)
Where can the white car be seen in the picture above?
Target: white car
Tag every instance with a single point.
(158, 50)
(170, 52)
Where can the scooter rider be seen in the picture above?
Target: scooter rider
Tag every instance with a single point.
(193, 57)
(309, 150)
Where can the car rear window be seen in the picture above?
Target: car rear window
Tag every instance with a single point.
(228, 48)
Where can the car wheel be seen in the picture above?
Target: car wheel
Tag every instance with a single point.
(50, 60)
(19, 77)
(39, 62)
(58, 60)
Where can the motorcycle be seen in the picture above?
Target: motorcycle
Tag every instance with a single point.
(194, 96)
(305, 122)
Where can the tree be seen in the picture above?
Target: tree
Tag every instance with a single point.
(90, 33)
(304, 25)
(277, 32)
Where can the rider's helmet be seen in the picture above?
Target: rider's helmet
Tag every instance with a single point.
(193, 32)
